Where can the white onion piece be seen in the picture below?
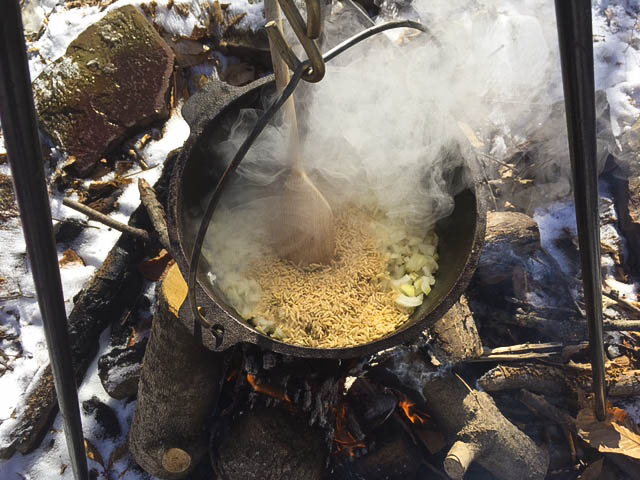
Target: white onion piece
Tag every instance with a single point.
(409, 302)
(401, 281)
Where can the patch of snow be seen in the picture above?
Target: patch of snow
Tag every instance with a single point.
(50, 460)
(92, 245)
(554, 221)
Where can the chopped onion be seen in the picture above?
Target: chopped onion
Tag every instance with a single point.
(409, 302)
(401, 281)
(408, 290)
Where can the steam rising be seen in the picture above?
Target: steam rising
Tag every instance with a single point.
(389, 125)
(383, 125)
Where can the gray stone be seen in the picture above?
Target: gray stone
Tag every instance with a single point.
(113, 79)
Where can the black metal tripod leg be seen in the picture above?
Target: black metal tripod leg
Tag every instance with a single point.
(576, 53)
(23, 146)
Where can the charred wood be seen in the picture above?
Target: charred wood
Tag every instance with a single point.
(510, 237)
(113, 287)
(119, 370)
(566, 330)
(556, 381)
(537, 378)
(392, 456)
(120, 364)
(539, 405)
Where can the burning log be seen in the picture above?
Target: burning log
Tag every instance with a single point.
(179, 383)
(270, 443)
(469, 418)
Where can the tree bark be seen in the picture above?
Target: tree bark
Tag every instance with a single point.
(155, 211)
(456, 337)
(178, 388)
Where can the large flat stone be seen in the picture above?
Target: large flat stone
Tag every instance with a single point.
(113, 79)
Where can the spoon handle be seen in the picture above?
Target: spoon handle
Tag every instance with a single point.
(281, 72)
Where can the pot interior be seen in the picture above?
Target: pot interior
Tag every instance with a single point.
(204, 165)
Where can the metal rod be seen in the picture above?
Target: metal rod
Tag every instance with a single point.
(576, 54)
(23, 147)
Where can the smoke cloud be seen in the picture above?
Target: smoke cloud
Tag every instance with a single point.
(390, 124)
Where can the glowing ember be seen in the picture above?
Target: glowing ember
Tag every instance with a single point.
(344, 439)
(269, 390)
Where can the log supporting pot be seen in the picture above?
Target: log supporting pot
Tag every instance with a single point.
(210, 114)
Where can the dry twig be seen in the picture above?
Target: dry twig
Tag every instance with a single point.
(106, 220)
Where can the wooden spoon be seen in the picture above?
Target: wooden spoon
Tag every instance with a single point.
(303, 229)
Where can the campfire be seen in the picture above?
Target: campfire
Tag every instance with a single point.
(447, 334)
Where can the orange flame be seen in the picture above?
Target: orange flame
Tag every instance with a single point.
(407, 405)
(232, 375)
(269, 390)
(344, 439)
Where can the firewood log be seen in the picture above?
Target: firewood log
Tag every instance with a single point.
(455, 335)
(469, 418)
(178, 387)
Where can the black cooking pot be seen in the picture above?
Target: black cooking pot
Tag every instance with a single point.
(210, 114)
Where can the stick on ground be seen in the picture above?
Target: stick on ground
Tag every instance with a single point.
(155, 211)
(106, 220)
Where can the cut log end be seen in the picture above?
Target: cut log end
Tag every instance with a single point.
(176, 460)
(177, 390)
(459, 458)
(174, 289)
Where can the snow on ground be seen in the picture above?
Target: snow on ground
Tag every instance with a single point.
(617, 58)
(51, 460)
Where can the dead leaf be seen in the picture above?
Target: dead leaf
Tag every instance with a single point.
(622, 361)
(616, 434)
(70, 257)
(93, 453)
(153, 268)
(119, 452)
(593, 471)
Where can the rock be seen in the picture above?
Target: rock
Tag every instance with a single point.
(119, 370)
(113, 79)
(105, 417)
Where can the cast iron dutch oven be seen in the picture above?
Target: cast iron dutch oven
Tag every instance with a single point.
(210, 114)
